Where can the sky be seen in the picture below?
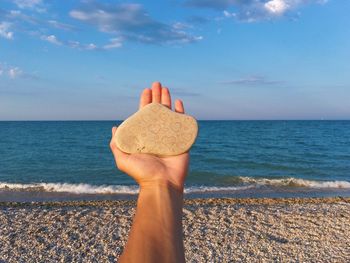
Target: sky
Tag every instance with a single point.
(226, 59)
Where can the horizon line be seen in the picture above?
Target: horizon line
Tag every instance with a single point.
(77, 120)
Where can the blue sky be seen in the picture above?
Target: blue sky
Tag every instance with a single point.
(227, 59)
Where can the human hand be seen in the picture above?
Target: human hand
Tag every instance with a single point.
(147, 169)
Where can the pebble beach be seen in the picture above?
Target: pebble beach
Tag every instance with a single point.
(215, 230)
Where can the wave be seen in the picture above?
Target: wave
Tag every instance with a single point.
(70, 188)
(245, 183)
(213, 189)
(294, 182)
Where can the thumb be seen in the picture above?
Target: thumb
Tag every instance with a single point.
(114, 129)
(120, 157)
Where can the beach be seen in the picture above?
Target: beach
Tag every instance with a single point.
(215, 230)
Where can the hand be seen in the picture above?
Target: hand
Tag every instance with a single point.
(148, 169)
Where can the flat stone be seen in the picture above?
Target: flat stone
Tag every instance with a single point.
(155, 129)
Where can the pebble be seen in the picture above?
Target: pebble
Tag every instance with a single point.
(215, 230)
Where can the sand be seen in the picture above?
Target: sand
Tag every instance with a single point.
(216, 230)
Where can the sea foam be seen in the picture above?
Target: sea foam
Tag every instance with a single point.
(295, 182)
(71, 188)
(246, 183)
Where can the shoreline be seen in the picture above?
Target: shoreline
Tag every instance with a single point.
(30, 195)
(187, 201)
(215, 230)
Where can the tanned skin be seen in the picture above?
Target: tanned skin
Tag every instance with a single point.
(156, 233)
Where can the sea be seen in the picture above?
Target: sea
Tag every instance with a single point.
(71, 160)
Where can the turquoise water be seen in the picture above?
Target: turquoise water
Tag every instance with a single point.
(235, 158)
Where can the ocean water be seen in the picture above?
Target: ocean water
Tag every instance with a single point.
(66, 160)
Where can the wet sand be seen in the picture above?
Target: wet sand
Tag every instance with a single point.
(216, 230)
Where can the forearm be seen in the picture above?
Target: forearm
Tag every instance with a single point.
(156, 234)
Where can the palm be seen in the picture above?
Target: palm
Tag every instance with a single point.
(148, 168)
(145, 167)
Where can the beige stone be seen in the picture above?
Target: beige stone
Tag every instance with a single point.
(155, 129)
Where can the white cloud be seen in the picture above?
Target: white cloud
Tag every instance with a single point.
(228, 14)
(181, 26)
(277, 7)
(131, 22)
(33, 5)
(77, 45)
(4, 30)
(266, 10)
(114, 43)
(19, 16)
(10, 71)
(91, 46)
(14, 72)
(122, 22)
(27, 3)
(60, 25)
(73, 44)
(253, 10)
(52, 39)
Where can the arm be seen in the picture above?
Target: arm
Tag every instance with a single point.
(156, 233)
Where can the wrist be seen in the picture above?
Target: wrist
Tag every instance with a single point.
(161, 185)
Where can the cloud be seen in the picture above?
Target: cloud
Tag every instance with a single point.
(91, 46)
(14, 72)
(25, 23)
(52, 39)
(20, 17)
(131, 23)
(4, 30)
(251, 81)
(277, 7)
(181, 26)
(27, 3)
(60, 25)
(35, 5)
(10, 71)
(78, 45)
(114, 43)
(253, 10)
(122, 22)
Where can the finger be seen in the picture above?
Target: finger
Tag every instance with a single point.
(179, 106)
(165, 98)
(114, 129)
(156, 92)
(146, 97)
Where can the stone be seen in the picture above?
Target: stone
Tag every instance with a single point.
(156, 129)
